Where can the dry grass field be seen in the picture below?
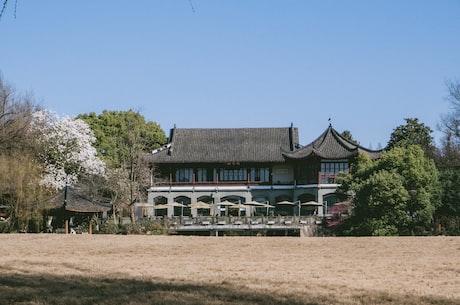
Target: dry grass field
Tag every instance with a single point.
(111, 269)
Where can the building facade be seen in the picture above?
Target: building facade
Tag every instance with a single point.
(248, 165)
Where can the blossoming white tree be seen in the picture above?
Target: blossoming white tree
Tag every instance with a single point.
(67, 149)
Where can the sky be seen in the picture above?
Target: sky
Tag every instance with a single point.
(366, 65)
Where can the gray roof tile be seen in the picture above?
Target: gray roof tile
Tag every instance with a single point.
(331, 145)
(218, 145)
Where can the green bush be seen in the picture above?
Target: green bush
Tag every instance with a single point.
(4, 227)
(155, 228)
(132, 228)
(109, 227)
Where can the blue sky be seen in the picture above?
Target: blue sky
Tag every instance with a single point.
(239, 63)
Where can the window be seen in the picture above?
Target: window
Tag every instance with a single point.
(334, 167)
(202, 175)
(261, 174)
(230, 174)
(184, 175)
(331, 168)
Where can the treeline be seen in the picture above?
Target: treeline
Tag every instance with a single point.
(101, 156)
(414, 188)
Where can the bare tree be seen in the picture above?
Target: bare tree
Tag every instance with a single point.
(15, 117)
(450, 122)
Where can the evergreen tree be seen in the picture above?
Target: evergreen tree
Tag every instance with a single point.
(397, 194)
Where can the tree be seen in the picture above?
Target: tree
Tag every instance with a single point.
(450, 122)
(15, 117)
(448, 162)
(124, 138)
(347, 135)
(397, 194)
(413, 133)
(20, 171)
(67, 150)
(20, 190)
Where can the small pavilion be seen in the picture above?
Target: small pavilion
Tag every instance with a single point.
(69, 205)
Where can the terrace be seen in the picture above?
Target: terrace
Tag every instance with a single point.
(223, 225)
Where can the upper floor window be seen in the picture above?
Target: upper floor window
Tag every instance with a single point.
(261, 174)
(201, 175)
(184, 175)
(334, 167)
(233, 174)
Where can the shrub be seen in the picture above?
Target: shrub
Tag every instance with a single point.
(132, 228)
(155, 228)
(109, 227)
(4, 227)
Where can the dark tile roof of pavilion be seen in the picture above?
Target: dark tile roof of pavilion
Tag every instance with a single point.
(224, 145)
(78, 203)
(331, 145)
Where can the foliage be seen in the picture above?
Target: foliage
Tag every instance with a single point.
(450, 182)
(146, 227)
(448, 161)
(412, 133)
(119, 133)
(20, 170)
(132, 229)
(347, 135)
(124, 138)
(67, 150)
(109, 227)
(20, 190)
(392, 195)
(4, 226)
(154, 228)
(447, 225)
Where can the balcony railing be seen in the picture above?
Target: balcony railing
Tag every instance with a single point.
(323, 178)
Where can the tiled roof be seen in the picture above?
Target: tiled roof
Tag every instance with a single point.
(219, 145)
(331, 145)
(78, 203)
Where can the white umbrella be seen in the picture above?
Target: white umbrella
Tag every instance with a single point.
(200, 205)
(255, 203)
(312, 204)
(285, 202)
(225, 203)
(237, 206)
(175, 204)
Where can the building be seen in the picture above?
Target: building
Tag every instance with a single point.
(248, 165)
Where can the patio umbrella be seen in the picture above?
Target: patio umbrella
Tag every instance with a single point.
(200, 205)
(238, 206)
(160, 206)
(175, 204)
(255, 203)
(311, 204)
(225, 203)
(285, 202)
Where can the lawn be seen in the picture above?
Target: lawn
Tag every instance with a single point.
(115, 269)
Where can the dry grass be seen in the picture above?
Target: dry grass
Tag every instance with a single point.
(107, 269)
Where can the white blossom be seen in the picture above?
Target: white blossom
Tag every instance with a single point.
(68, 149)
